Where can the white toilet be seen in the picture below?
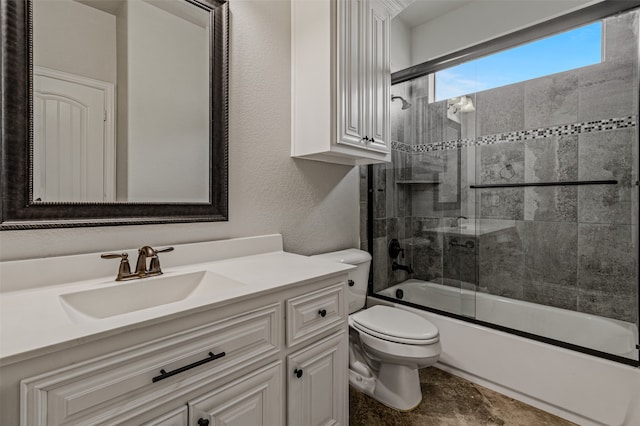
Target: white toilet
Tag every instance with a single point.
(387, 345)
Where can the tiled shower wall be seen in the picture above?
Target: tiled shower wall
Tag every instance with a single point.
(566, 246)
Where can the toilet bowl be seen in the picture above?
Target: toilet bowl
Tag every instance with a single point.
(387, 345)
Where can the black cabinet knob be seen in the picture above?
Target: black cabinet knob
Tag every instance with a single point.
(351, 283)
(298, 373)
(203, 422)
(323, 312)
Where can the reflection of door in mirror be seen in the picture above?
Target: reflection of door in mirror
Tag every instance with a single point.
(73, 151)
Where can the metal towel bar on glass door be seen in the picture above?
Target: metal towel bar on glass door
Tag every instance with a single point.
(567, 183)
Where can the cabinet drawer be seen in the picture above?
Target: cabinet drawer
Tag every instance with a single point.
(314, 313)
(127, 383)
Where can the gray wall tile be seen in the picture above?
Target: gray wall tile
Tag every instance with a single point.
(363, 184)
(427, 256)
(559, 203)
(607, 258)
(380, 265)
(501, 262)
(501, 163)
(551, 160)
(621, 38)
(551, 100)
(500, 110)
(608, 305)
(604, 91)
(551, 252)
(459, 261)
(551, 295)
(379, 191)
(502, 203)
(606, 155)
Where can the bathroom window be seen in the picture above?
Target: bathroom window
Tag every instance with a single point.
(561, 52)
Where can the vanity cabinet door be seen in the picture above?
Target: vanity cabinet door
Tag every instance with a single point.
(255, 400)
(317, 383)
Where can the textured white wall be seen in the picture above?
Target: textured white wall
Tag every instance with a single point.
(483, 20)
(400, 45)
(314, 205)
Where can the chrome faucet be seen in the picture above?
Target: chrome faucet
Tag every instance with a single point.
(148, 264)
(456, 221)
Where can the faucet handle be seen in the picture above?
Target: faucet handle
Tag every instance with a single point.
(154, 265)
(124, 270)
(164, 250)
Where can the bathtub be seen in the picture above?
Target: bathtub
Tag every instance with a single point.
(589, 331)
(585, 389)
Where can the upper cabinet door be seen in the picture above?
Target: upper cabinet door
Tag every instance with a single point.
(378, 76)
(352, 73)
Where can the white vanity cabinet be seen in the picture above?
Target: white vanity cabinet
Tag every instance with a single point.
(341, 80)
(233, 365)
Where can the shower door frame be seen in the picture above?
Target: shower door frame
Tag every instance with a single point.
(583, 16)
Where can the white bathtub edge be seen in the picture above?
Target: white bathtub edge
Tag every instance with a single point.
(584, 389)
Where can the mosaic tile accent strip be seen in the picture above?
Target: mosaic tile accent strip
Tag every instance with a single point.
(401, 146)
(522, 135)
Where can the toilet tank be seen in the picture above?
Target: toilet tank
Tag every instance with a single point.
(356, 292)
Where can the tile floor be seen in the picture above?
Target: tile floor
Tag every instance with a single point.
(450, 401)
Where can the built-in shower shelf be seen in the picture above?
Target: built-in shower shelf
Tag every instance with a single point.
(418, 182)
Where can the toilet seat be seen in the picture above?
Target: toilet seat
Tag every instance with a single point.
(395, 325)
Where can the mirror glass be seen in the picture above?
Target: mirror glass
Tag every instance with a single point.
(121, 101)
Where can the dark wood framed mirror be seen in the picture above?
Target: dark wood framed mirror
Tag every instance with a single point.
(23, 206)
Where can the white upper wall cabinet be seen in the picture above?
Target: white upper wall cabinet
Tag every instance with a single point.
(341, 80)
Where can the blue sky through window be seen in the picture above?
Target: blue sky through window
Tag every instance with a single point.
(561, 52)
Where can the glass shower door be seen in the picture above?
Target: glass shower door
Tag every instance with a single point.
(556, 189)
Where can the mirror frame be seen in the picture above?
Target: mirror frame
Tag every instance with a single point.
(18, 211)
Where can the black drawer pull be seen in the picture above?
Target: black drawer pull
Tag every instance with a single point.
(351, 283)
(203, 422)
(164, 374)
(323, 312)
(298, 373)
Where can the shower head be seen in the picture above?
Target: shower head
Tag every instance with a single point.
(405, 104)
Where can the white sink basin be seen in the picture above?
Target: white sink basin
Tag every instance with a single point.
(130, 296)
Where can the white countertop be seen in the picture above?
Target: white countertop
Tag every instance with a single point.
(34, 320)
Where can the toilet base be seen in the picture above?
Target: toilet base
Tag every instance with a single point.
(398, 386)
(395, 386)
(363, 384)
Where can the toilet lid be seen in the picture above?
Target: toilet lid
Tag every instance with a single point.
(396, 325)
